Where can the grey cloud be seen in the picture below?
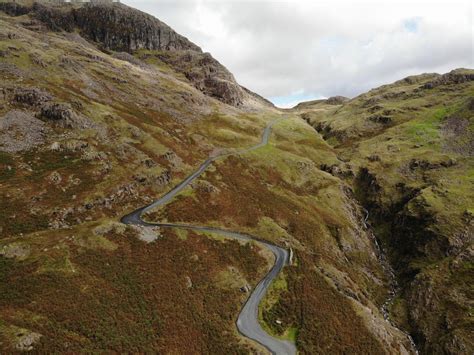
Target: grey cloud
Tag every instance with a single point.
(323, 49)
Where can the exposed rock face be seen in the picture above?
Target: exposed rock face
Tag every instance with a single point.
(14, 9)
(62, 115)
(57, 112)
(120, 28)
(206, 74)
(435, 296)
(382, 119)
(337, 100)
(115, 26)
(454, 77)
(31, 96)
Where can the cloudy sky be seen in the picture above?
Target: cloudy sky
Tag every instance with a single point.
(290, 51)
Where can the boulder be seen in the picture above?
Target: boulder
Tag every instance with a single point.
(57, 112)
(62, 115)
(31, 96)
(382, 119)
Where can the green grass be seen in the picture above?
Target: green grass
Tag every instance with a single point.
(7, 166)
(427, 128)
(267, 318)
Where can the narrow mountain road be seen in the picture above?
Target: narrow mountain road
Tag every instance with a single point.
(247, 322)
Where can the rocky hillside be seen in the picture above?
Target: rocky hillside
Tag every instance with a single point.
(407, 149)
(117, 27)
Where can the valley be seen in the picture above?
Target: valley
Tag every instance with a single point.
(105, 110)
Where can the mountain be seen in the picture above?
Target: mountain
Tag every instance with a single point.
(408, 151)
(119, 28)
(105, 109)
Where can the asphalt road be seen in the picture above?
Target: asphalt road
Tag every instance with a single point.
(247, 322)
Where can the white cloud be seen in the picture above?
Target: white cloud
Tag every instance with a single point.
(324, 48)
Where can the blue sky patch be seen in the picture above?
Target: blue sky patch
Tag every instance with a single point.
(412, 24)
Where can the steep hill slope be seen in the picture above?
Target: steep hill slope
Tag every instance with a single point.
(120, 28)
(408, 151)
(86, 136)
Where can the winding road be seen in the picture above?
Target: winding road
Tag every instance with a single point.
(247, 322)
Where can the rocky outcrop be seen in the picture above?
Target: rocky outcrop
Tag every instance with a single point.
(206, 74)
(117, 27)
(120, 28)
(382, 119)
(337, 100)
(14, 9)
(454, 77)
(114, 26)
(57, 112)
(62, 115)
(26, 340)
(431, 266)
(31, 96)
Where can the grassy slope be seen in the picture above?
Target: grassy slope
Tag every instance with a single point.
(88, 292)
(279, 192)
(334, 290)
(417, 181)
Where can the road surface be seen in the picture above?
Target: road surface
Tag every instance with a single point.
(247, 322)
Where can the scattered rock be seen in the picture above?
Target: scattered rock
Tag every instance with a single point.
(338, 170)
(127, 57)
(149, 163)
(8, 70)
(147, 234)
(173, 158)
(376, 108)
(304, 167)
(136, 132)
(163, 179)
(189, 283)
(62, 115)
(26, 339)
(427, 165)
(55, 178)
(381, 119)
(21, 131)
(55, 147)
(204, 186)
(15, 251)
(373, 158)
